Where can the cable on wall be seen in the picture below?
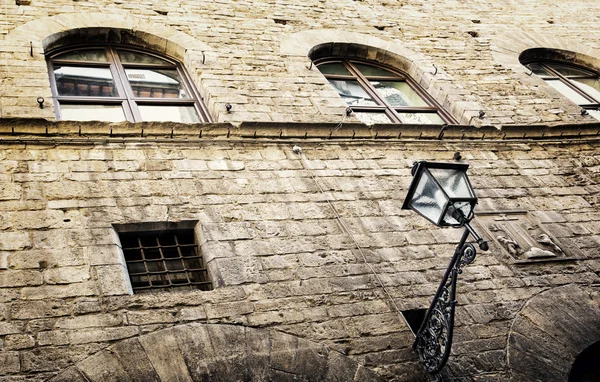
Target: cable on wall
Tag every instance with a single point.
(303, 159)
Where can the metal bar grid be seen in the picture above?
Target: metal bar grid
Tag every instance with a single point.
(164, 260)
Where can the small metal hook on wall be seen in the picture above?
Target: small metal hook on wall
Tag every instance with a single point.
(40, 101)
(436, 69)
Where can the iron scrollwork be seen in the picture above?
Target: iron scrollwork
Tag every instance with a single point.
(434, 338)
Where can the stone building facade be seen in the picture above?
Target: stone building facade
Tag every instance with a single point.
(313, 266)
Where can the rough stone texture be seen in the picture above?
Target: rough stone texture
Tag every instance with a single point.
(538, 348)
(202, 352)
(295, 244)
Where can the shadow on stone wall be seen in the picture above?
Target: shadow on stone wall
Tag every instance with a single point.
(550, 331)
(203, 352)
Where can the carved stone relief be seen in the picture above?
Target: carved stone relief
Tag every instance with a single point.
(521, 237)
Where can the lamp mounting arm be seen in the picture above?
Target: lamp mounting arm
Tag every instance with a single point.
(434, 338)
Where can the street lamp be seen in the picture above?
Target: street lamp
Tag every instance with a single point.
(442, 193)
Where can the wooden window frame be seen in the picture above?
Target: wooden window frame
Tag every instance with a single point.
(125, 97)
(382, 105)
(594, 104)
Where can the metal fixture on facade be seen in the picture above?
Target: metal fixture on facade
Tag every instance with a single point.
(442, 193)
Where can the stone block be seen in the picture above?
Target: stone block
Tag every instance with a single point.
(18, 341)
(85, 336)
(15, 241)
(9, 363)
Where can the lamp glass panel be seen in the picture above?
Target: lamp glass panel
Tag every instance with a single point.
(454, 182)
(428, 199)
(464, 207)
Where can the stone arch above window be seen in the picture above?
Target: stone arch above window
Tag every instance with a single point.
(59, 31)
(571, 74)
(316, 44)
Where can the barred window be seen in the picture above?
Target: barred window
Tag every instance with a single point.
(167, 260)
(117, 83)
(381, 94)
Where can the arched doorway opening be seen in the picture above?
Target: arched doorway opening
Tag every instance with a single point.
(586, 367)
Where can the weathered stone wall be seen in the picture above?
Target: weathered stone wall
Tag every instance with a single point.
(278, 254)
(238, 52)
(299, 244)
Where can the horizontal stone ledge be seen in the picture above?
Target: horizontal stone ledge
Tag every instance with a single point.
(35, 129)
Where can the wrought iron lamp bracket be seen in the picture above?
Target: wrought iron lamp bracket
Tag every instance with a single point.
(434, 338)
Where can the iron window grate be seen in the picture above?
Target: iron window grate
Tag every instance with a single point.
(164, 261)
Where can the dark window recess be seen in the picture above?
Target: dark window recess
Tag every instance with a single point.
(414, 317)
(164, 260)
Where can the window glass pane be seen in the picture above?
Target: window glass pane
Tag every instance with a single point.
(96, 55)
(369, 70)
(594, 113)
(352, 93)
(568, 92)
(334, 68)
(185, 114)
(156, 83)
(372, 118)
(79, 112)
(569, 70)
(84, 82)
(591, 86)
(129, 57)
(398, 93)
(538, 70)
(421, 118)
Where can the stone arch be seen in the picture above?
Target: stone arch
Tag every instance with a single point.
(435, 81)
(550, 331)
(215, 352)
(32, 40)
(508, 46)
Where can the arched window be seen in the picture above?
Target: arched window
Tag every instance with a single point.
(117, 83)
(580, 85)
(380, 94)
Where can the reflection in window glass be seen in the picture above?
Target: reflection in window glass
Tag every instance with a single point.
(565, 90)
(352, 93)
(96, 55)
(156, 83)
(373, 118)
(591, 86)
(421, 118)
(82, 112)
(84, 82)
(130, 57)
(568, 71)
(398, 93)
(538, 70)
(594, 113)
(369, 70)
(334, 68)
(184, 114)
